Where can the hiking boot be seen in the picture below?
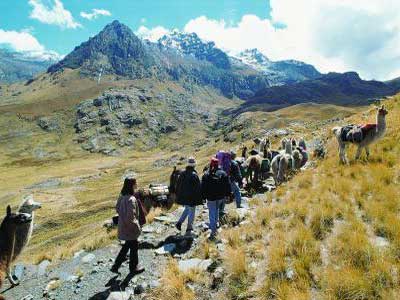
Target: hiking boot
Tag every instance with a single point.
(178, 226)
(137, 270)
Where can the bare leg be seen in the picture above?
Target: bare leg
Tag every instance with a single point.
(358, 154)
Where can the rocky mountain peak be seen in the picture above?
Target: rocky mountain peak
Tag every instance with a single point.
(116, 49)
(191, 44)
(254, 58)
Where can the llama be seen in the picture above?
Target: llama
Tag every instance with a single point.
(282, 163)
(253, 164)
(362, 136)
(24, 231)
(8, 228)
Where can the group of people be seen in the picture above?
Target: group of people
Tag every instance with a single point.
(215, 186)
(222, 178)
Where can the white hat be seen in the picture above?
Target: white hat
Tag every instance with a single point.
(191, 162)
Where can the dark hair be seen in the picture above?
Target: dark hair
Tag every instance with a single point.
(127, 189)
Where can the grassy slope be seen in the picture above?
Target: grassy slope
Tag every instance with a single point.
(323, 235)
(332, 232)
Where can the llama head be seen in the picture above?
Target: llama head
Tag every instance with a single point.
(29, 205)
(382, 111)
(15, 219)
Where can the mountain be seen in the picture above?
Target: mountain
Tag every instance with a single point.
(279, 72)
(394, 83)
(184, 58)
(15, 66)
(115, 50)
(334, 88)
(191, 44)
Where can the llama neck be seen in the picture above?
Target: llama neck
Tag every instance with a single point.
(7, 243)
(381, 122)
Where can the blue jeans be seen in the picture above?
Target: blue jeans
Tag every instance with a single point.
(213, 212)
(188, 212)
(236, 193)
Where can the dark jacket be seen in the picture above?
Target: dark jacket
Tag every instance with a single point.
(215, 185)
(188, 188)
(235, 174)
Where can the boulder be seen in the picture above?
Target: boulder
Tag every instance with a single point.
(194, 263)
(48, 124)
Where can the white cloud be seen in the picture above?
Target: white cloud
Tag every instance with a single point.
(95, 14)
(152, 34)
(55, 14)
(334, 35)
(26, 43)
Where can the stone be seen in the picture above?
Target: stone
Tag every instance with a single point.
(217, 277)
(119, 295)
(52, 285)
(154, 284)
(46, 184)
(165, 249)
(139, 289)
(28, 297)
(194, 263)
(48, 124)
(88, 258)
(79, 253)
(164, 219)
(19, 271)
(43, 266)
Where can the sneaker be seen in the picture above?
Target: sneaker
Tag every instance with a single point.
(114, 269)
(178, 226)
(137, 270)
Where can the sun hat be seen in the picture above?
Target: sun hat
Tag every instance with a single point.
(191, 162)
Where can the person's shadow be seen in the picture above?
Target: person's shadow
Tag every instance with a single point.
(114, 285)
(183, 243)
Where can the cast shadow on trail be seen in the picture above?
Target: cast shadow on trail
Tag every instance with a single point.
(182, 243)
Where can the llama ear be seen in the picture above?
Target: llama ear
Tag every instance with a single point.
(8, 210)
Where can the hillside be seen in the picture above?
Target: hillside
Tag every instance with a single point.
(332, 232)
(334, 88)
(16, 67)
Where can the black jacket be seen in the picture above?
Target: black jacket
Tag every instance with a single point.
(215, 185)
(235, 174)
(188, 188)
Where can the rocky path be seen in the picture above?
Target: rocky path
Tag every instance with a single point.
(87, 275)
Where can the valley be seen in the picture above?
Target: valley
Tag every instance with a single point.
(118, 104)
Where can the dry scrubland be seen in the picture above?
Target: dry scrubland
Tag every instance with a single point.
(332, 232)
(74, 211)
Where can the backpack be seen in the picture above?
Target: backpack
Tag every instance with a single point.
(224, 159)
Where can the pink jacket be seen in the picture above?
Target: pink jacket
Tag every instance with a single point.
(128, 220)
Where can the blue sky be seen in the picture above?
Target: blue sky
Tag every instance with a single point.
(333, 35)
(134, 13)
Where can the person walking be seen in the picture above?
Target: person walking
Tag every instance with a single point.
(215, 187)
(188, 194)
(235, 177)
(130, 220)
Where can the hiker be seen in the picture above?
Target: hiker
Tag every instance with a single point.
(188, 194)
(235, 177)
(131, 217)
(215, 187)
(244, 152)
